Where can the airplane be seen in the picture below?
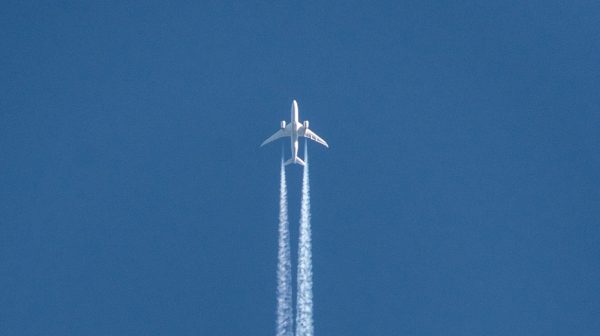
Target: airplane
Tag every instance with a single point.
(294, 130)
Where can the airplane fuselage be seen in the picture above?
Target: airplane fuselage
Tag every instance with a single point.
(295, 126)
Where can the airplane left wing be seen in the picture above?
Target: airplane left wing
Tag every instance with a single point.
(307, 133)
(279, 134)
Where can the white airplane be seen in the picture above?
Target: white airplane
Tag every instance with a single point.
(294, 130)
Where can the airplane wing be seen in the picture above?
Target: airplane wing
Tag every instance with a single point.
(279, 134)
(307, 133)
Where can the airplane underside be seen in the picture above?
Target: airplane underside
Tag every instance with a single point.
(294, 130)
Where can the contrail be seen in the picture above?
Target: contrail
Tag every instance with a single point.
(284, 267)
(304, 308)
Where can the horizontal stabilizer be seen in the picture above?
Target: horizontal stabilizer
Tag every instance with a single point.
(295, 160)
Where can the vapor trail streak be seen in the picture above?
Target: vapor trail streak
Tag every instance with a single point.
(284, 266)
(304, 308)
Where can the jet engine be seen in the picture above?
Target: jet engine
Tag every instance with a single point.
(282, 124)
(306, 124)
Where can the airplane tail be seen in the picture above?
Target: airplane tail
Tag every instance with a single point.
(296, 160)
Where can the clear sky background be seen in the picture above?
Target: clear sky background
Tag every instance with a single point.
(460, 195)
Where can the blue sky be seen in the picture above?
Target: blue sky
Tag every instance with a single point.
(459, 196)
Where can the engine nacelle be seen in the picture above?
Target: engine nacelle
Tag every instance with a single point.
(306, 124)
(282, 124)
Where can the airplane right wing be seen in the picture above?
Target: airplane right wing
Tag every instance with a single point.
(307, 133)
(279, 134)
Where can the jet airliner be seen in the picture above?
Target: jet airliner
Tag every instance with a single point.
(294, 130)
